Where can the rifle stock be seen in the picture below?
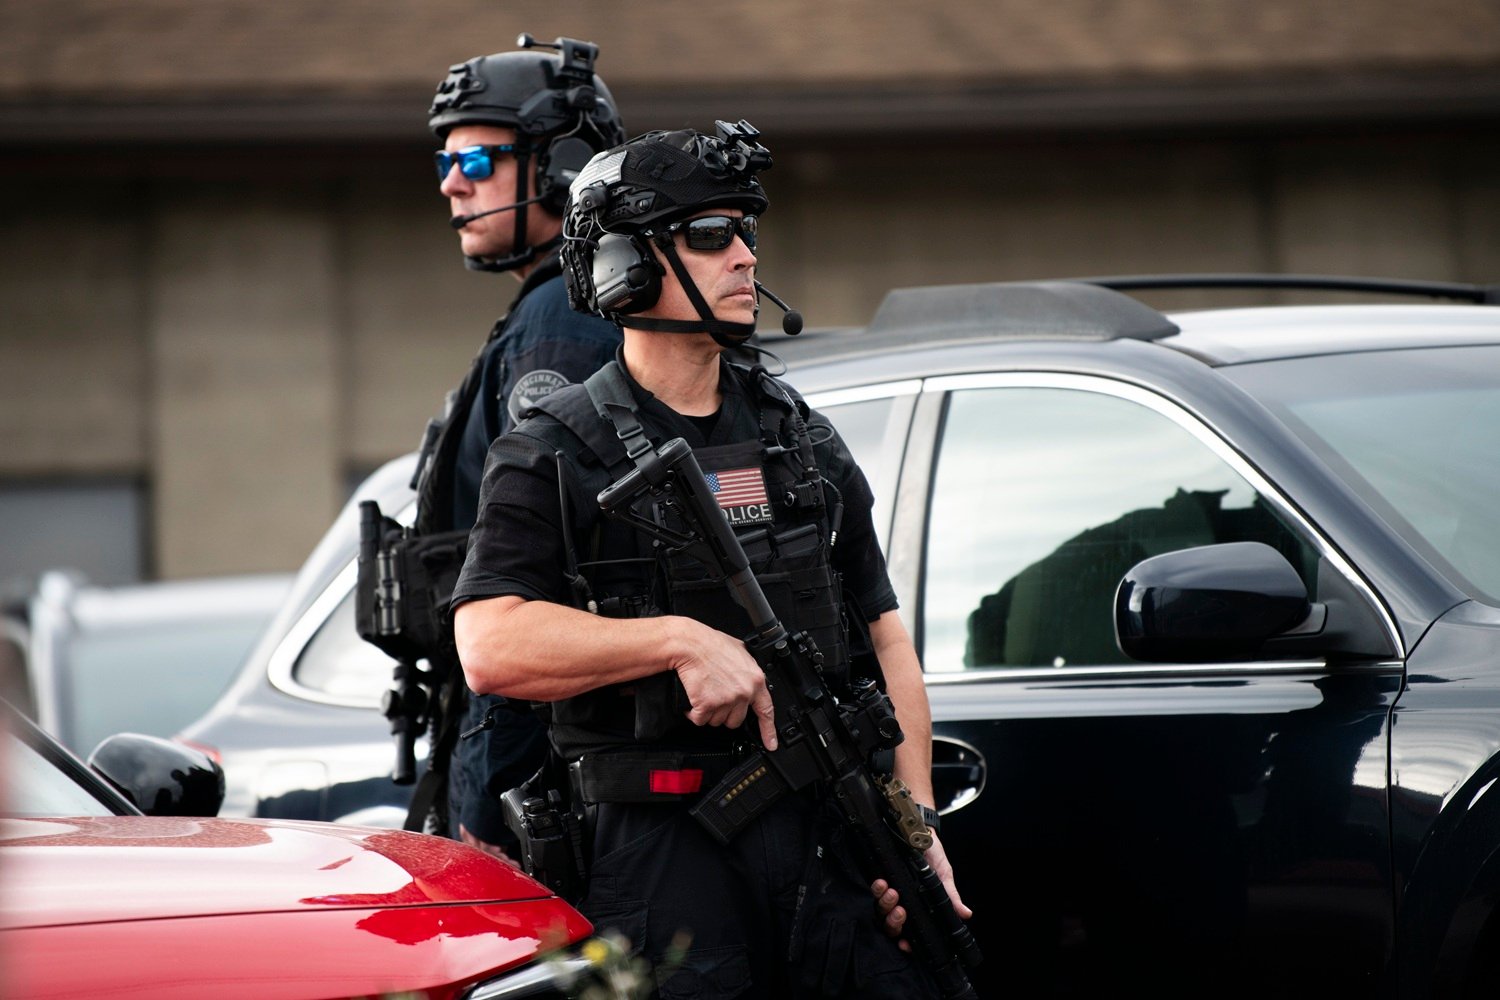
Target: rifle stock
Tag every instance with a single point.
(819, 739)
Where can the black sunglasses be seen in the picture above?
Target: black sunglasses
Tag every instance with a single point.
(715, 232)
(474, 162)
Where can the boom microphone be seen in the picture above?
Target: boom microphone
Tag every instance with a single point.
(459, 221)
(791, 323)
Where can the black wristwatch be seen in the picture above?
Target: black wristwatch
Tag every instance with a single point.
(930, 817)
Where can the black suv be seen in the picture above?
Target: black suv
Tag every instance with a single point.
(1285, 784)
(1289, 519)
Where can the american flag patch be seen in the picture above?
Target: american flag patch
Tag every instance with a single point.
(737, 487)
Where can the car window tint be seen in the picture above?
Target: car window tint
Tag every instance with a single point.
(1042, 499)
(337, 662)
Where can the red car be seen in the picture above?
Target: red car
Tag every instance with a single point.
(99, 899)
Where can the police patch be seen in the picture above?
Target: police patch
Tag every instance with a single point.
(531, 388)
(741, 494)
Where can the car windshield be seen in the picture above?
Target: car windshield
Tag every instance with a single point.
(35, 786)
(1414, 432)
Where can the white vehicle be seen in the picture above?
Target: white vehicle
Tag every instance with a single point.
(145, 658)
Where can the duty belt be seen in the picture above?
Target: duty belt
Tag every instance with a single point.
(655, 776)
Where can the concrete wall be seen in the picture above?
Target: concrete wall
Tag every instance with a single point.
(243, 336)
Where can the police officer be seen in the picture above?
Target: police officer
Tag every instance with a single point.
(516, 128)
(636, 650)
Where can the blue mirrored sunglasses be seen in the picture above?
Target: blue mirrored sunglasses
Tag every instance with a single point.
(474, 162)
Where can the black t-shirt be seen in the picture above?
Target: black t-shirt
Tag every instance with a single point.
(517, 546)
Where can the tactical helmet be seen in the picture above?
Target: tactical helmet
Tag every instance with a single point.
(626, 197)
(561, 111)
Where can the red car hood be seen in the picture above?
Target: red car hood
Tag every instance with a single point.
(148, 908)
(72, 871)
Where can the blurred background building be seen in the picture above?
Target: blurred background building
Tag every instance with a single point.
(228, 290)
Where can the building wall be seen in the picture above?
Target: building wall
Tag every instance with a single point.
(240, 332)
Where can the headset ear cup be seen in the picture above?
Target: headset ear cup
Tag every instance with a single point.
(556, 169)
(625, 278)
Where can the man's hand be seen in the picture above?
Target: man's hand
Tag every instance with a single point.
(887, 900)
(723, 682)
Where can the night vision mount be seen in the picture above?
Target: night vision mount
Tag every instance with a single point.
(572, 80)
(740, 156)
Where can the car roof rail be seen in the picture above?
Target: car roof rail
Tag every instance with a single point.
(1052, 310)
(1479, 293)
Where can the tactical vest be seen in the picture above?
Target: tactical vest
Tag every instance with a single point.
(772, 493)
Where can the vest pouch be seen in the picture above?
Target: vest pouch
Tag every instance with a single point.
(806, 593)
(661, 706)
(661, 702)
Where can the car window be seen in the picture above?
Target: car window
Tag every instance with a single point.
(1042, 499)
(862, 426)
(337, 662)
(1415, 433)
(35, 787)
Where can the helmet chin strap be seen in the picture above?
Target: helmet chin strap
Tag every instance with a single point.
(725, 333)
(515, 260)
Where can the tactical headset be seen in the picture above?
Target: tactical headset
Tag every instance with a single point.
(624, 199)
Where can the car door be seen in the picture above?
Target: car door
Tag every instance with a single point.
(1114, 822)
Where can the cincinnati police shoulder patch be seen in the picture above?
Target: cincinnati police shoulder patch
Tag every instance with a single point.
(530, 389)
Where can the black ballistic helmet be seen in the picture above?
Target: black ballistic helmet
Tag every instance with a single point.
(561, 111)
(627, 196)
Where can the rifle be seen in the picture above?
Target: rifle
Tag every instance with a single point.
(405, 581)
(819, 739)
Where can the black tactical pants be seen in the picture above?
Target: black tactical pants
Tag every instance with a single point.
(657, 874)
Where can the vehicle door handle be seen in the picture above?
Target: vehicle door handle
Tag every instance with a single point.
(958, 773)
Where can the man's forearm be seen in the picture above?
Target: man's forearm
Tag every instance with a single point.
(903, 682)
(540, 651)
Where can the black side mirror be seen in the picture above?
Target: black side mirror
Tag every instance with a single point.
(160, 777)
(1216, 602)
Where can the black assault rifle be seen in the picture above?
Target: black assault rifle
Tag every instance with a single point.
(405, 582)
(818, 738)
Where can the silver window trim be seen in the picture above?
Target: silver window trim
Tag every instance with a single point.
(937, 389)
(864, 393)
(1128, 671)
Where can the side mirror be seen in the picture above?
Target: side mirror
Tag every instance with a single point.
(1216, 602)
(160, 777)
